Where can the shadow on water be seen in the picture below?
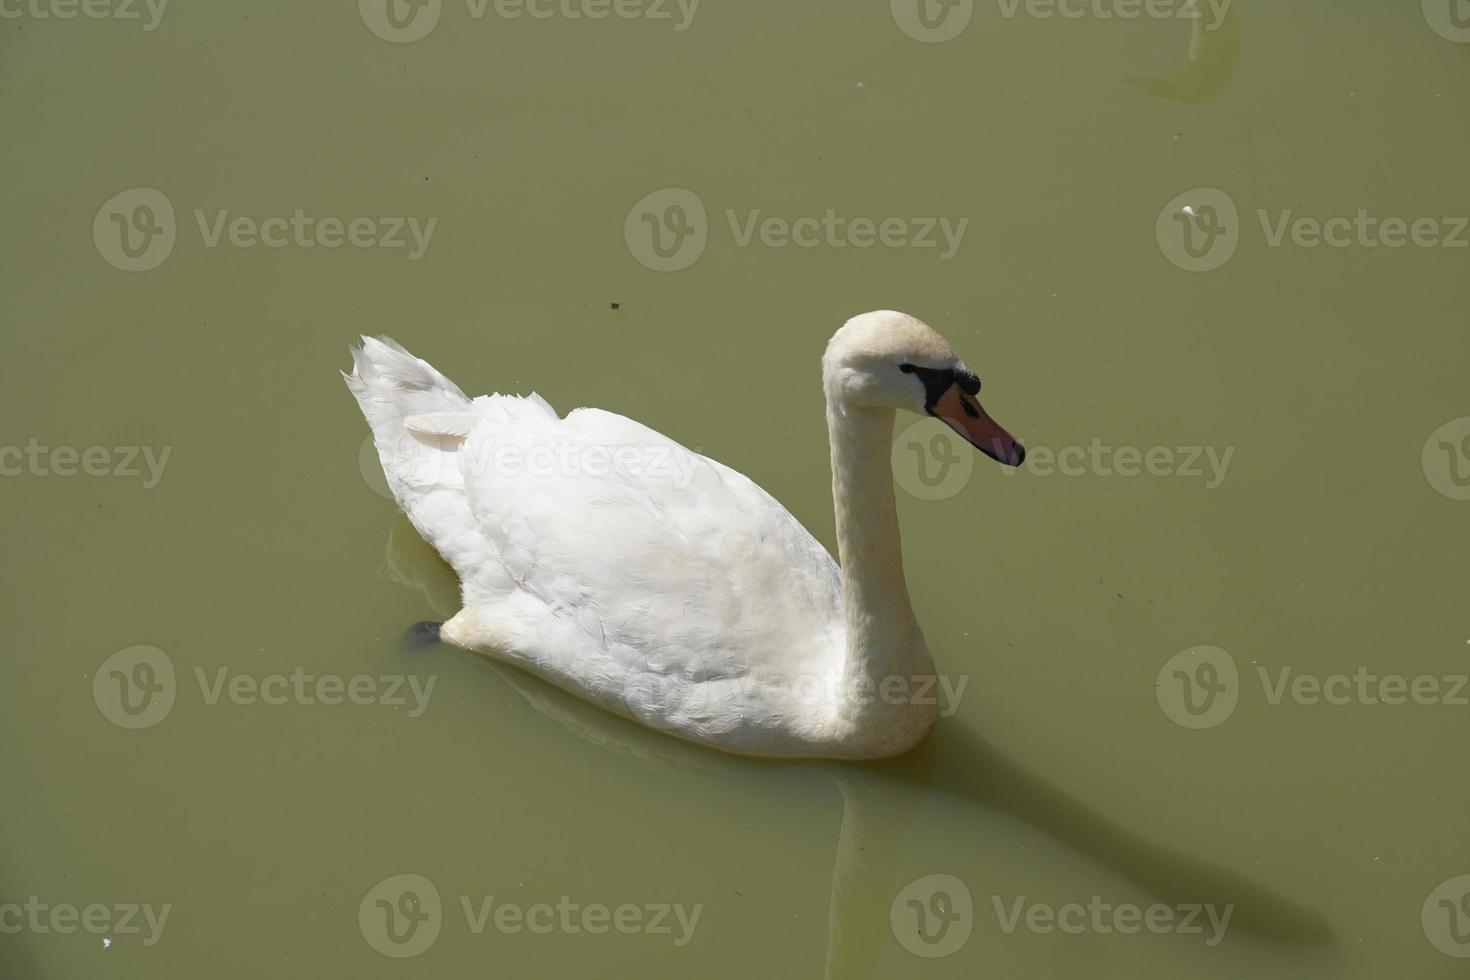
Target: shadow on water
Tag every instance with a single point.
(952, 760)
(958, 761)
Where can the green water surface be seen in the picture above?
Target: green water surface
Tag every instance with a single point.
(1078, 771)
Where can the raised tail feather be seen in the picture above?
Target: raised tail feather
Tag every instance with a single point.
(393, 387)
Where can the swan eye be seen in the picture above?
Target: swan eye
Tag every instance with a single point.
(969, 408)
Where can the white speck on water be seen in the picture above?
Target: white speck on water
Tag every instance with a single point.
(106, 942)
(1189, 209)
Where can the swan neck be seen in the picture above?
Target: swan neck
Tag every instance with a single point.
(883, 637)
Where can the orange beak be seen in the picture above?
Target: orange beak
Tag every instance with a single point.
(962, 413)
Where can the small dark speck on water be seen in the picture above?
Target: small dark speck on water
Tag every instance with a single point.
(616, 305)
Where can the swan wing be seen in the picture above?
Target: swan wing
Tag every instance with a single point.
(670, 564)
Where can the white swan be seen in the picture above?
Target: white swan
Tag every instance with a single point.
(665, 586)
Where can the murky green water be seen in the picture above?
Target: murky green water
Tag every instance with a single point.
(1102, 214)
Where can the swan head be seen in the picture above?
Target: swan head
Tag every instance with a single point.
(889, 360)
